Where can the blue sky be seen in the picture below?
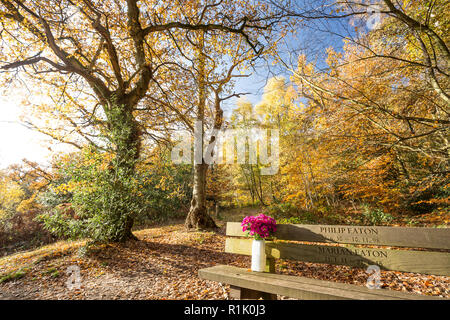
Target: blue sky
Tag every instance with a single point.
(311, 40)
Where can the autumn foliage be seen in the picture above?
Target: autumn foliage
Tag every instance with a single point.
(363, 124)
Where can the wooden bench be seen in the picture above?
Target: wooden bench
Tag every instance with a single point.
(357, 246)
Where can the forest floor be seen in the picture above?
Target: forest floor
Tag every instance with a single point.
(164, 264)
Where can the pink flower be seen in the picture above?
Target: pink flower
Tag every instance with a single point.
(261, 226)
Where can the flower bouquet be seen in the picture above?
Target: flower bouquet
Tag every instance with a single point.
(260, 228)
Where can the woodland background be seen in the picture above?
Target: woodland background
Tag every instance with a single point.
(364, 124)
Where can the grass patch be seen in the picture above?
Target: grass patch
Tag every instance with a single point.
(11, 276)
(53, 272)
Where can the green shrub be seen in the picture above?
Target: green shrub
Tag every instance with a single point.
(305, 217)
(291, 220)
(94, 200)
(375, 216)
(281, 210)
(104, 199)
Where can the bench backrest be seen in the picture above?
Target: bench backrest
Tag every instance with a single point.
(359, 246)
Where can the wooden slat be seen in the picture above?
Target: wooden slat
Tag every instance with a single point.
(437, 263)
(244, 293)
(432, 238)
(300, 287)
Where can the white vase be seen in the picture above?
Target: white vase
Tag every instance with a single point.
(258, 255)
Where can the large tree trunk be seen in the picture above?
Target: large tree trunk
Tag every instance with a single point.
(127, 233)
(198, 217)
(125, 137)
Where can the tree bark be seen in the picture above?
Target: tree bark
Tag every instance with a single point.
(125, 137)
(127, 232)
(198, 217)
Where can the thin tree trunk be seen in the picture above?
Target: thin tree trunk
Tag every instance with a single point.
(249, 185)
(258, 191)
(198, 217)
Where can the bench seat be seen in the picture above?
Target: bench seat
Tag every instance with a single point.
(246, 284)
(427, 252)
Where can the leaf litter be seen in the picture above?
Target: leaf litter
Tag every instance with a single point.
(164, 265)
